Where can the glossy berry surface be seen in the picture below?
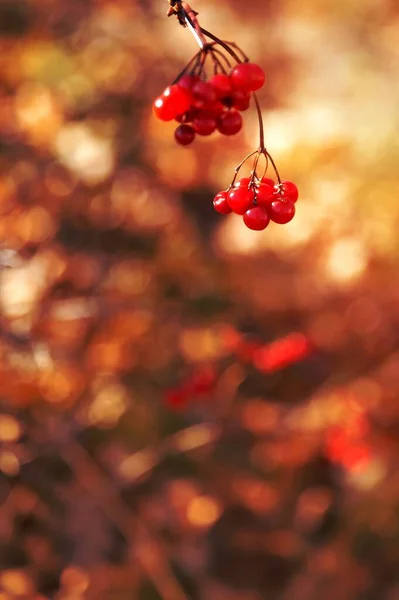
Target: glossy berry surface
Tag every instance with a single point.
(289, 190)
(242, 182)
(184, 134)
(204, 125)
(268, 181)
(248, 77)
(203, 94)
(230, 122)
(221, 83)
(220, 203)
(240, 100)
(240, 199)
(282, 211)
(266, 194)
(187, 81)
(173, 102)
(214, 109)
(256, 218)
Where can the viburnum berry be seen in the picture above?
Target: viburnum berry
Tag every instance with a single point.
(204, 125)
(230, 122)
(173, 102)
(265, 195)
(213, 110)
(243, 182)
(221, 83)
(282, 211)
(248, 77)
(220, 203)
(288, 190)
(203, 94)
(240, 199)
(184, 134)
(256, 218)
(268, 181)
(187, 81)
(188, 116)
(240, 100)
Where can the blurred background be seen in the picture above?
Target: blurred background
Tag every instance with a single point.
(191, 410)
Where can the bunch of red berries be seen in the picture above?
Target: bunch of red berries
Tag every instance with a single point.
(259, 201)
(203, 106)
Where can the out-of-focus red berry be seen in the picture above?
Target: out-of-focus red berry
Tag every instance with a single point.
(184, 134)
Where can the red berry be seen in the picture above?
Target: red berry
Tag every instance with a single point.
(288, 190)
(220, 203)
(243, 182)
(187, 81)
(184, 134)
(213, 110)
(248, 77)
(230, 122)
(268, 181)
(240, 100)
(240, 199)
(256, 218)
(204, 125)
(221, 83)
(266, 194)
(188, 116)
(282, 211)
(173, 102)
(203, 94)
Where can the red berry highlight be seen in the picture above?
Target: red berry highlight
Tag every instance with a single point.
(256, 218)
(230, 122)
(248, 77)
(240, 199)
(282, 211)
(288, 190)
(173, 102)
(184, 134)
(243, 182)
(220, 203)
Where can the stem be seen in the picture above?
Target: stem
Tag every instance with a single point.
(188, 65)
(221, 43)
(237, 169)
(260, 121)
(191, 22)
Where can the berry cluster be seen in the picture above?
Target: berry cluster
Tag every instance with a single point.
(203, 106)
(259, 201)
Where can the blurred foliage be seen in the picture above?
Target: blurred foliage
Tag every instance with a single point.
(191, 410)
